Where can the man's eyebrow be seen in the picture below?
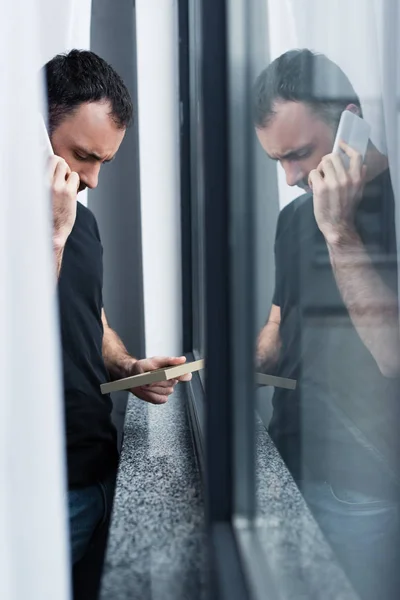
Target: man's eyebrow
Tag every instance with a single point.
(291, 153)
(94, 155)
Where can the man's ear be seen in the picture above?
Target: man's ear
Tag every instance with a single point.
(354, 109)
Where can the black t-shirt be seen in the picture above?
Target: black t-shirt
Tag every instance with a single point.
(342, 422)
(91, 437)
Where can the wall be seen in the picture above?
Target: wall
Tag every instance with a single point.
(116, 201)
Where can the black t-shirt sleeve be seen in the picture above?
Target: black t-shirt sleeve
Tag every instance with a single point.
(276, 297)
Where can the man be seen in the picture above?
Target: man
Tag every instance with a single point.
(334, 324)
(89, 111)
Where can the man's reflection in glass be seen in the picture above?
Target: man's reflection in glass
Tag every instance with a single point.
(333, 325)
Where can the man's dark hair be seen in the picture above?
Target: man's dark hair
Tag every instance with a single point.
(79, 77)
(303, 76)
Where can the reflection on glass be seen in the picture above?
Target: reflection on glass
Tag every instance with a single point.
(197, 181)
(333, 325)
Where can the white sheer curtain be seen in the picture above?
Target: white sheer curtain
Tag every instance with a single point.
(387, 13)
(64, 24)
(33, 516)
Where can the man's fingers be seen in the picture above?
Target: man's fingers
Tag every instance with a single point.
(61, 170)
(161, 391)
(162, 384)
(160, 362)
(169, 361)
(351, 153)
(170, 383)
(187, 377)
(173, 382)
(315, 179)
(154, 398)
(73, 181)
(328, 171)
(340, 169)
(356, 160)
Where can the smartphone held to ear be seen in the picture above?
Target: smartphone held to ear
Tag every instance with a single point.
(355, 132)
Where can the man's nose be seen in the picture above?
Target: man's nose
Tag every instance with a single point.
(293, 174)
(91, 178)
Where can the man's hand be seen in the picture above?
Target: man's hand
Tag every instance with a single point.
(64, 185)
(157, 393)
(337, 193)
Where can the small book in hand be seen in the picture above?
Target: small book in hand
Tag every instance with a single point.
(155, 376)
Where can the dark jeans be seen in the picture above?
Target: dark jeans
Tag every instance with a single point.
(363, 531)
(89, 509)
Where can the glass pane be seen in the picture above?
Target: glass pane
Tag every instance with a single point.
(197, 179)
(327, 284)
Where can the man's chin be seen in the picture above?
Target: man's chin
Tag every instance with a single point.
(305, 187)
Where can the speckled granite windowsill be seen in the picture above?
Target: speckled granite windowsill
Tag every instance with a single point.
(157, 543)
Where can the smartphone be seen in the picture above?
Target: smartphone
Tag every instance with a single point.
(355, 132)
(45, 144)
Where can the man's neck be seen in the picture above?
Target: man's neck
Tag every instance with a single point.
(375, 161)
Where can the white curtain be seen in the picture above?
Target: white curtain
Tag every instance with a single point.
(64, 24)
(387, 14)
(33, 516)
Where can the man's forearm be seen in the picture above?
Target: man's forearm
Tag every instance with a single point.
(58, 250)
(268, 348)
(117, 360)
(371, 304)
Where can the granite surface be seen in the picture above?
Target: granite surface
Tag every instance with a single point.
(157, 543)
(156, 547)
(301, 562)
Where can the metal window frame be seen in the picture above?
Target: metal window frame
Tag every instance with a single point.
(190, 242)
(185, 176)
(194, 121)
(225, 556)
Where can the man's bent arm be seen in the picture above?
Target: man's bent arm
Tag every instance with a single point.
(117, 360)
(269, 343)
(371, 304)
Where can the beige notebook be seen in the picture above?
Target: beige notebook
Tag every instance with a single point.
(281, 382)
(152, 377)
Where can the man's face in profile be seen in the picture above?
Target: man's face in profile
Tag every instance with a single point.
(298, 138)
(86, 139)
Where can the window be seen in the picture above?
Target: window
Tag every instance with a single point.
(335, 294)
(303, 499)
